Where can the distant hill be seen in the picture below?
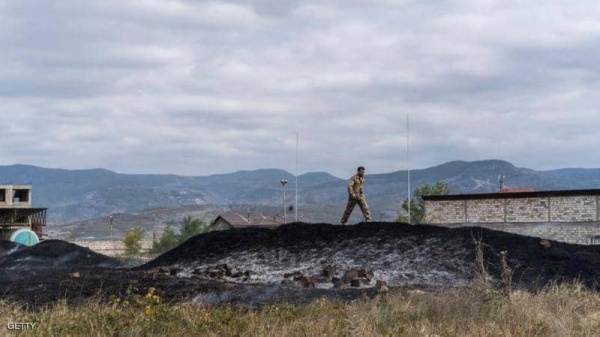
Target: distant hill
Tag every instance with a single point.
(77, 195)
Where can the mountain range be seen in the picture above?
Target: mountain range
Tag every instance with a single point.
(78, 195)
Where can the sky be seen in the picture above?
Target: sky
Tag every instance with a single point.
(205, 87)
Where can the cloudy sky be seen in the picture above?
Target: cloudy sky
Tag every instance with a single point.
(202, 87)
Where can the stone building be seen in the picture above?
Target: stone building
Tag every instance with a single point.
(570, 216)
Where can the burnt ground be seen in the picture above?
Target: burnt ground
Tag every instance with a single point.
(294, 263)
(53, 253)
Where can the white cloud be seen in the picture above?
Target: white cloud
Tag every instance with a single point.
(199, 87)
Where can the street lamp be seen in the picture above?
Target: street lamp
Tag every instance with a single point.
(283, 182)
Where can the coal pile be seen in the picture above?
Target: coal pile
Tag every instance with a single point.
(393, 254)
(55, 253)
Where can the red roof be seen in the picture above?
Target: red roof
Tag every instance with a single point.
(253, 221)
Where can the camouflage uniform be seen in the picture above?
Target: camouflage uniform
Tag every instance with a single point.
(356, 196)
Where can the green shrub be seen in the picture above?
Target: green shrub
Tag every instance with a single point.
(192, 227)
(168, 240)
(132, 240)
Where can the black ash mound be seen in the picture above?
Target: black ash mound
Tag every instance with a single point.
(399, 254)
(8, 247)
(56, 253)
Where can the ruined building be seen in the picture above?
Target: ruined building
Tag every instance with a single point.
(19, 221)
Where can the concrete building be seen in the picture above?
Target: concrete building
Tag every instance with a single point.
(15, 196)
(19, 221)
(570, 216)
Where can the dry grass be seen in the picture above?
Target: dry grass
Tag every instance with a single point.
(563, 310)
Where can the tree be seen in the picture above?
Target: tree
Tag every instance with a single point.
(417, 208)
(132, 240)
(168, 240)
(187, 228)
(192, 227)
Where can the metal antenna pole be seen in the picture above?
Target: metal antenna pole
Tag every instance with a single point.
(283, 182)
(296, 203)
(111, 227)
(408, 162)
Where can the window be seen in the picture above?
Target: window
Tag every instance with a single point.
(21, 195)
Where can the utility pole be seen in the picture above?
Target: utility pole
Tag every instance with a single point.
(296, 203)
(110, 218)
(283, 182)
(408, 162)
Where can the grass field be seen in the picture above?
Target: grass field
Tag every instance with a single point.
(559, 310)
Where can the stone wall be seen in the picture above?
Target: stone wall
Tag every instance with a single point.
(583, 233)
(582, 208)
(510, 210)
(111, 248)
(569, 218)
(485, 210)
(445, 212)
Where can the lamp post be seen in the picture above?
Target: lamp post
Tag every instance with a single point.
(283, 182)
(110, 218)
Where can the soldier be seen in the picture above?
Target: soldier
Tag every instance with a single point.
(356, 196)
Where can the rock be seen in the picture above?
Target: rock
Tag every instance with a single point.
(329, 271)
(318, 279)
(339, 284)
(381, 286)
(357, 282)
(76, 275)
(294, 274)
(216, 273)
(350, 275)
(305, 282)
(225, 268)
(367, 274)
(287, 282)
(545, 244)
